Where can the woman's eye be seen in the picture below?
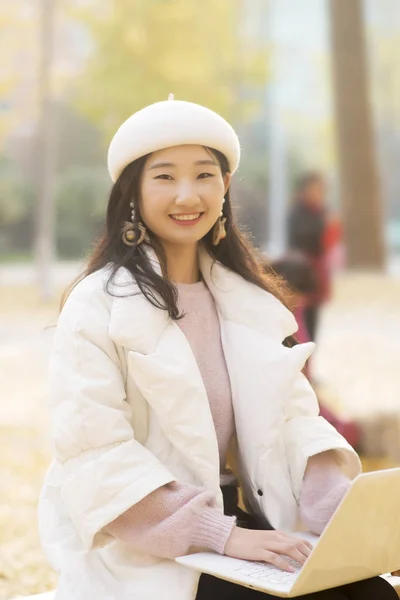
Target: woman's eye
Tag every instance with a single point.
(164, 176)
(205, 175)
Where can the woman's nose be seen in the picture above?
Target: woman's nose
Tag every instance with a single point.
(186, 196)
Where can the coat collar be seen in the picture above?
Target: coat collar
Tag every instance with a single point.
(245, 303)
(237, 300)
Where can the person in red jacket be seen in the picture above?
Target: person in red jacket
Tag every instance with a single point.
(312, 232)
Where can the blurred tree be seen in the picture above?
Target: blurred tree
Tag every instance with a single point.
(79, 141)
(144, 50)
(81, 205)
(19, 55)
(12, 202)
(16, 211)
(360, 188)
(44, 239)
(20, 51)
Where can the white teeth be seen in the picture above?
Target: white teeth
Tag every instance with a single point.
(186, 217)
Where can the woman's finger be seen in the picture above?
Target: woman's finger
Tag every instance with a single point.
(288, 549)
(306, 549)
(277, 561)
(295, 539)
(308, 544)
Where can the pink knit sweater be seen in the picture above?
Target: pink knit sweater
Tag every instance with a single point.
(177, 517)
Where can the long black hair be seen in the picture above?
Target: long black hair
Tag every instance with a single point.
(235, 251)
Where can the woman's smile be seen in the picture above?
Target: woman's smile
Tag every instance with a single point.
(187, 219)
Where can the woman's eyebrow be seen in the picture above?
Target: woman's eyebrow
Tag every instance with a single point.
(164, 165)
(207, 161)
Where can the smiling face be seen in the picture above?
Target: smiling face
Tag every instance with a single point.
(182, 193)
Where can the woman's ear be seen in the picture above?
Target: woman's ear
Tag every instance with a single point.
(227, 181)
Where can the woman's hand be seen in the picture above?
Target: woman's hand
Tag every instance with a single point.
(267, 546)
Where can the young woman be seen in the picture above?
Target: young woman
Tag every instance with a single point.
(169, 350)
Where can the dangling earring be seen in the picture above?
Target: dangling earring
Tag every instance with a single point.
(128, 230)
(219, 232)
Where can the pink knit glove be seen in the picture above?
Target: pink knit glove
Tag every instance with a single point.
(324, 486)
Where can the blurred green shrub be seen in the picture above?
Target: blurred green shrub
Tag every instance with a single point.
(81, 201)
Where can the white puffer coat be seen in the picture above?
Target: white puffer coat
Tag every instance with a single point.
(130, 414)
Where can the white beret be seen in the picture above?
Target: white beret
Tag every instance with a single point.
(171, 123)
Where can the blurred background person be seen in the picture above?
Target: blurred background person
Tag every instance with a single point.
(311, 234)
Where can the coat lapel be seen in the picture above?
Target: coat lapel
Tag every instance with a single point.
(162, 364)
(245, 303)
(261, 370)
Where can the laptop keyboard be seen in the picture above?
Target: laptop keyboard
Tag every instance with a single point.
(269, 573)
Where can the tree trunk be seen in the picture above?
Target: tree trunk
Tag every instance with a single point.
(44, 243)
(359, 179)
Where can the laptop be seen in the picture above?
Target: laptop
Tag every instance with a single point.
(361, 540)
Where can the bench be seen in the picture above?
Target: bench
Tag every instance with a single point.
(395, 581)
